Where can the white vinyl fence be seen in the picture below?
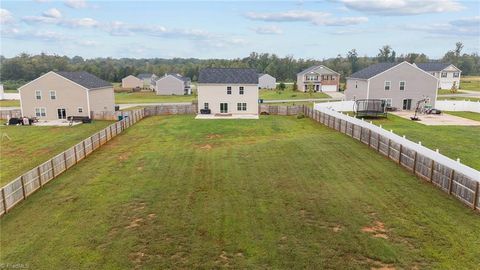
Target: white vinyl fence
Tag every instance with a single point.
(449, 175)
(29, 182)
(458, 105)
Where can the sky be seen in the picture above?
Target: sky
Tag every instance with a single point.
(232, 29)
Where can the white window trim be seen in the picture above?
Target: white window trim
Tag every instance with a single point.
(78, 110)
(229, 90)
(386, 101)
(446, 74)
(50, 94)
(241, 90)
(40, 109)
(400, 85)
(389, 85)
(206, 106)
(39, 95)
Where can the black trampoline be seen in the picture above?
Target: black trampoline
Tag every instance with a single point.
(370, 108)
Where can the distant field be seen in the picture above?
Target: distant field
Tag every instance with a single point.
(24, 147)
(9, 103)
(453, 141)
(275, 193)
(471, 83)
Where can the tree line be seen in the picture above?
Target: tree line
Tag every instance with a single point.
(24, 67)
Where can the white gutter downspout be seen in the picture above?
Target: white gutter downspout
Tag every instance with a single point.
(368, 88)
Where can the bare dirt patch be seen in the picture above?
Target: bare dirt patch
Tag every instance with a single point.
(135, 223)
(379, 265)
(214, 136)
(377, 230)
(337, 228)
(124, 156)
(206, 147)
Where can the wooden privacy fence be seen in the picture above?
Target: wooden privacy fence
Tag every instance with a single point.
(29, 182)
(6, 114)
(451, 176)
(171, 109)
(280, 109)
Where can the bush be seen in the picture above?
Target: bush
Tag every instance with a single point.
(300, 115)
(13, 85)
(281, 86)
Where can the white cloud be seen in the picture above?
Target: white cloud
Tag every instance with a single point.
(466, 27)
(314, 17)
(403, 7)
(81, 22)
(6, 16)
(268, 30)
(89, 43)
(49, 36)
(52, 13)
(76, 4)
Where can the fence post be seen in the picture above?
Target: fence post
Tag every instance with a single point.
(389, 146)
(400, 154)
(111, 132)
(84, 149)
(39, 176)
(415, 163)
(65, 159)
(346, 126)
(53, 168)
(475, 196)
(360, 138)
(432, 165)
(75, 153)
(369, 137)
(378, 142)
(91, 141)
(450, 182)
(23, 187)
(4, 201)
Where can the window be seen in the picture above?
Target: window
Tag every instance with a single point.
(241, 106)
(333, 78)
(38, 94)
(80, 110)
(402, 85)
(444, 74)
(312, 77)
(241, 90)
(205, 105)
(40, 112)
(433, 73)
(387, 85)
(356, 84)
(388, 102)
(456, 74)
(229, 90)
(53, 95)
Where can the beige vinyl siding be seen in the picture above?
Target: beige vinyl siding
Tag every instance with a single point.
(214, 94)
(170, 85)
(131, 82)
(69, 96)
(354, 93)
(267, 81)
(102, 100)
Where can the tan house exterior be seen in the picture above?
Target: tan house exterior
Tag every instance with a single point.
(266, 81)
(401, 85)
(320, 78)
(58, 95)
(447, 74)
(173, 84)
(228, 91)
(132, 82)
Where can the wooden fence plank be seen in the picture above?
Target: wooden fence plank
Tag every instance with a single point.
(475, 196)
(5, 209)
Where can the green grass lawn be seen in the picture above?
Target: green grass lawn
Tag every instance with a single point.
(448, 92)
(471, 83)
(277, 193)
(149, 97)
(24, 147)
(453, 141)
(469, 115)
(458, 98)
(289, 94)
(9, 103)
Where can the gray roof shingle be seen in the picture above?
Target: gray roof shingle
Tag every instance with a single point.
(84, 79)
(142, 76)
(432, 66)
(372, 70)
(228, 75)
(178, 76)
(312, 68)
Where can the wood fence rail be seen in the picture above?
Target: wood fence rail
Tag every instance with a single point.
(450, 176)
(31, 181)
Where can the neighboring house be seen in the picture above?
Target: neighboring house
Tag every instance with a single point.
(132, 82)
(266, 81)
(320, 78)
(401, 85)
(173, 84)
(148, 80)
(228, 91)
(447, 74)
(57, 95)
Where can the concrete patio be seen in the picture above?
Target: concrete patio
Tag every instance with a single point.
(443, 119)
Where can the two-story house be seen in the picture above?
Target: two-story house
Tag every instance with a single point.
(228, 91)
(319, 79)
(58, 95)
(173, 84)
(447, 74)
(148, 79)
(401, 85)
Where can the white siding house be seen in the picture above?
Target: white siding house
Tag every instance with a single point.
(447, 74)
(266, 81)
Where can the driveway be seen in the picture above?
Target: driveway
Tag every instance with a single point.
(444, 119)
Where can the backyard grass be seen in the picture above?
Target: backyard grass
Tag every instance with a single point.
(469, 115)
(458, 98)
(471, 83)
(453, 141)
(289, 94)
(24, 147)
(149, 97)
(9, 103)
(448, 92)
(275, 193)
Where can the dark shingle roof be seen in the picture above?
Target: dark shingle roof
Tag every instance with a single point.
(228, 75)
(84, 79)
(432, 66)
(312, 68)
(372, 70)
(178, 76)
(142, 76)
